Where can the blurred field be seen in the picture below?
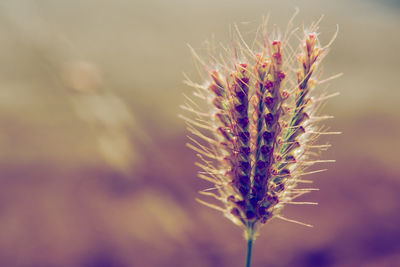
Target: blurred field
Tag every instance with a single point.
(93, 165)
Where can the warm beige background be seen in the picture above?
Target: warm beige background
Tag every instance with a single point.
(93, 166)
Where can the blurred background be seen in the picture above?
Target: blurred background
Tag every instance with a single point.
(93, 165)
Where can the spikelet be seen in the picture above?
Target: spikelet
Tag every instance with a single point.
(255, 138)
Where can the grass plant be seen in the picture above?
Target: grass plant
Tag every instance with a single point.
(255, 121)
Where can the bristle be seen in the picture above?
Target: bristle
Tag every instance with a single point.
(293, 221)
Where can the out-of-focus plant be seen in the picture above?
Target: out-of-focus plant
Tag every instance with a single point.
(109, 116)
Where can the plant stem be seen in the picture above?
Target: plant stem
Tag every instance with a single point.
(250, 238)
(249, 247)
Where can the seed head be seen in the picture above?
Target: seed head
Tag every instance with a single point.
(255, 137)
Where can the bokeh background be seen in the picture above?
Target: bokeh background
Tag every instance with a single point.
(93, 165)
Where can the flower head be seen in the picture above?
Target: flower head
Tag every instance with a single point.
(255, 137)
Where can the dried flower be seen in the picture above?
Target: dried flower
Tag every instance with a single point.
(256, 136)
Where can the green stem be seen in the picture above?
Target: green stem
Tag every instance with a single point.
(250, 238)
(249, 248)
